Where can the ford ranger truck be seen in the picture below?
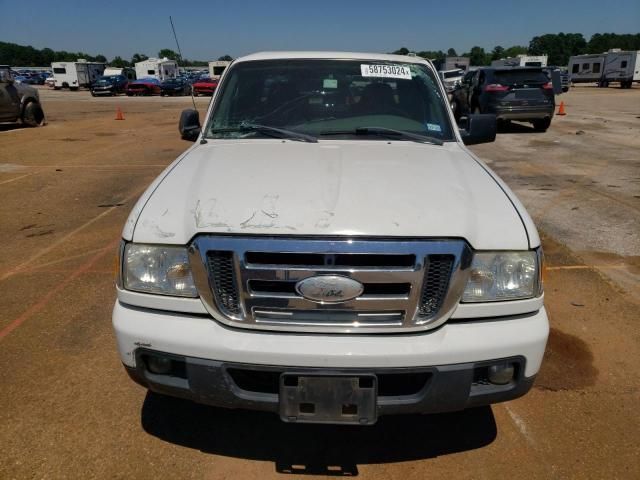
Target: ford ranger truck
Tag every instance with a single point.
(329, 250)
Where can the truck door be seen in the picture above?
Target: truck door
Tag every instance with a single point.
(82, 74)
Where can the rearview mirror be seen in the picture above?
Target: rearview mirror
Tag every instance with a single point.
(479, 128)
(189, 125)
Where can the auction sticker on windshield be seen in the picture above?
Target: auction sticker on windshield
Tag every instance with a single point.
(387, 71)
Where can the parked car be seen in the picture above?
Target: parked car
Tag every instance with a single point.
(19, 102)
(109, 85)
(175, 86)
(511, 93)
(38, 79)
(144, 86)
(204, 86)
(23, 79)
(331, 254)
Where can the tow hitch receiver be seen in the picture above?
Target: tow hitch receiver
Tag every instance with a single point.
(319, 398)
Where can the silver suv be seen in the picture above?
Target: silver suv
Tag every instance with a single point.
(19, 102)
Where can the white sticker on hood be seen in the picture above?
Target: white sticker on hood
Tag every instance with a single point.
(386, 71)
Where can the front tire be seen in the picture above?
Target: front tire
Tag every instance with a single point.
(33, 115)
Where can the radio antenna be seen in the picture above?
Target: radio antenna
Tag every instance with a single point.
(180, 55)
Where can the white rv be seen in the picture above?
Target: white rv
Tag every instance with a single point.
(73, 75)
(621, 66)
(522, 61)
(128, 72)
(160, 68)
(586, 68)
(455, 63)
(216, 68)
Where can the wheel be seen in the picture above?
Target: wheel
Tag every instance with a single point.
(541, 124)
(129, 94)
(33, 115)
(93, 94)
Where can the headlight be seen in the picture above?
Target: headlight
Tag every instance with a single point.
(157, 269)
(499, 276)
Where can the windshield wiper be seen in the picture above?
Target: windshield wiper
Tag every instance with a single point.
(386, 132)
(268, 130)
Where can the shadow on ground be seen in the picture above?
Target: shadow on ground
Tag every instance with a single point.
(6, 127)
(514, 127)
(314, 449)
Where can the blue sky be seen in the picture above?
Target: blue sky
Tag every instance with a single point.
(210, 29)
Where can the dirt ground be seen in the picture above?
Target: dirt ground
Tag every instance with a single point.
(68, 410)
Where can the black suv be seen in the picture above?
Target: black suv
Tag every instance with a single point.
(520, 93)
(109, 85)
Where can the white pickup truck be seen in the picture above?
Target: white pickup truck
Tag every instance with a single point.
(329, 250)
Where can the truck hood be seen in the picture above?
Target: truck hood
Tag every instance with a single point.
(353, 188)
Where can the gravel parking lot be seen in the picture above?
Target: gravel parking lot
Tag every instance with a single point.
(70, 411)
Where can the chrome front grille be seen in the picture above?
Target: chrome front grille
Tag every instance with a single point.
(435, 284)
(251, 282)
(223, 281)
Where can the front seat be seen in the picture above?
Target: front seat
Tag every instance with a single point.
(377, 99)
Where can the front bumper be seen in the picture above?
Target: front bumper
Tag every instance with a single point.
(450, 357)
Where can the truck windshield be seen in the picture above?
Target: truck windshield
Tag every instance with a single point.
(317, 96)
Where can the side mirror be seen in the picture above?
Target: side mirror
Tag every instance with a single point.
(189, 125)
(5, 76)
(479, 128)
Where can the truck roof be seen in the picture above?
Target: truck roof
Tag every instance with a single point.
(331, 55)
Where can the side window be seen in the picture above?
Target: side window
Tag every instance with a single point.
(623, 64)
(481, 77)
(585, 66)
(576, 68)
(596, 68)
(151, 72)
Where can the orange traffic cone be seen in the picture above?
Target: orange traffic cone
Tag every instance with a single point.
(561, 109)
(119, 115)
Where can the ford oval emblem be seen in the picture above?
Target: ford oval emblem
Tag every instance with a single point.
(329, 288)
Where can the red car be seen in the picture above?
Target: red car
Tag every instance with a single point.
(204, 86)
(144, 86)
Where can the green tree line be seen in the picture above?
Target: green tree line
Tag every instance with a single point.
(27, 56)
(558, 46)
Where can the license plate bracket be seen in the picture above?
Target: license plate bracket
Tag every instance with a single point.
(328, 398)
